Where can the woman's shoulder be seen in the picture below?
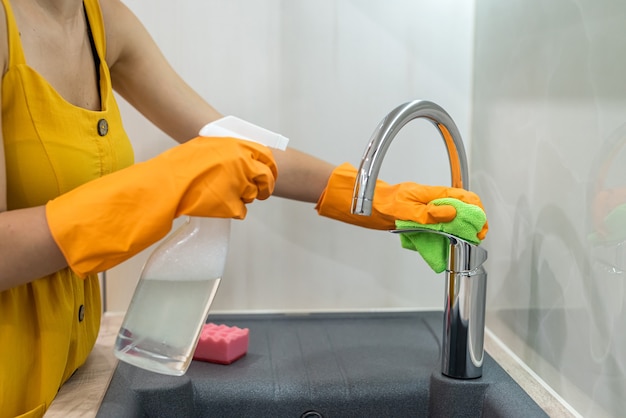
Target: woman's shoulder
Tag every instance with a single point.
(119, 23)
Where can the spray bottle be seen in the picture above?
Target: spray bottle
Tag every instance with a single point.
(180, 279)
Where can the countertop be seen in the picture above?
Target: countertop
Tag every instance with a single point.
(82, 394)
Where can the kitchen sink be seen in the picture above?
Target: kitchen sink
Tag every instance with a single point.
(374, 364)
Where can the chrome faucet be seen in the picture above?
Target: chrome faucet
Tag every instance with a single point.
(466, 279)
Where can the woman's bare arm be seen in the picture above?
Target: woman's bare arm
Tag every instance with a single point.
(27, 248)
(137, 66)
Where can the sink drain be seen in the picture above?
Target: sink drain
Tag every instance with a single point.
(311, 414)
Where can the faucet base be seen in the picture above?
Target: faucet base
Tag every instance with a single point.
(464, 324)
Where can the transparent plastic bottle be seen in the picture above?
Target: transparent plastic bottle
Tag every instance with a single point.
(179, 281)
(172, 299)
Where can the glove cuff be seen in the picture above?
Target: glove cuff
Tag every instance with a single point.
(336, 201)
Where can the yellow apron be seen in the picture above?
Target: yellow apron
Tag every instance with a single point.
(49, 326)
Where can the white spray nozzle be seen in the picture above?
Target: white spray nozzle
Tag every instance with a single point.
(238, 128)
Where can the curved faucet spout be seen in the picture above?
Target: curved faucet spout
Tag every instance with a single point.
(466, 279)
(384, 135)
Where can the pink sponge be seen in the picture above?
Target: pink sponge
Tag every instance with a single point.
(221, 344)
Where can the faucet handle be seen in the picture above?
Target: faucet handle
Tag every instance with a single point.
(464, 257)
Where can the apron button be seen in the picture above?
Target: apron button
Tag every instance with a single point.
(81, 313)
(103, 127)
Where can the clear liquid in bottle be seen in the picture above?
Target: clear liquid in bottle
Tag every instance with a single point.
(172, 299)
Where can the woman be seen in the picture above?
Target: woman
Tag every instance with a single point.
(72, 203)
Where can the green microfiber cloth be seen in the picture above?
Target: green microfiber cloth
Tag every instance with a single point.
(434, 248)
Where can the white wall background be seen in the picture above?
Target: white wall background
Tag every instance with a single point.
(323, 74)
(549, 163)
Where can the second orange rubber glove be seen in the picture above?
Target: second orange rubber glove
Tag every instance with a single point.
(403, 201)
(106, 221)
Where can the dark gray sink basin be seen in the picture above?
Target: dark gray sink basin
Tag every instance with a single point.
(328, 365)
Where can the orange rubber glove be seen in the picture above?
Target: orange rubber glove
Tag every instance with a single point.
(106, 221)
(403, 201)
